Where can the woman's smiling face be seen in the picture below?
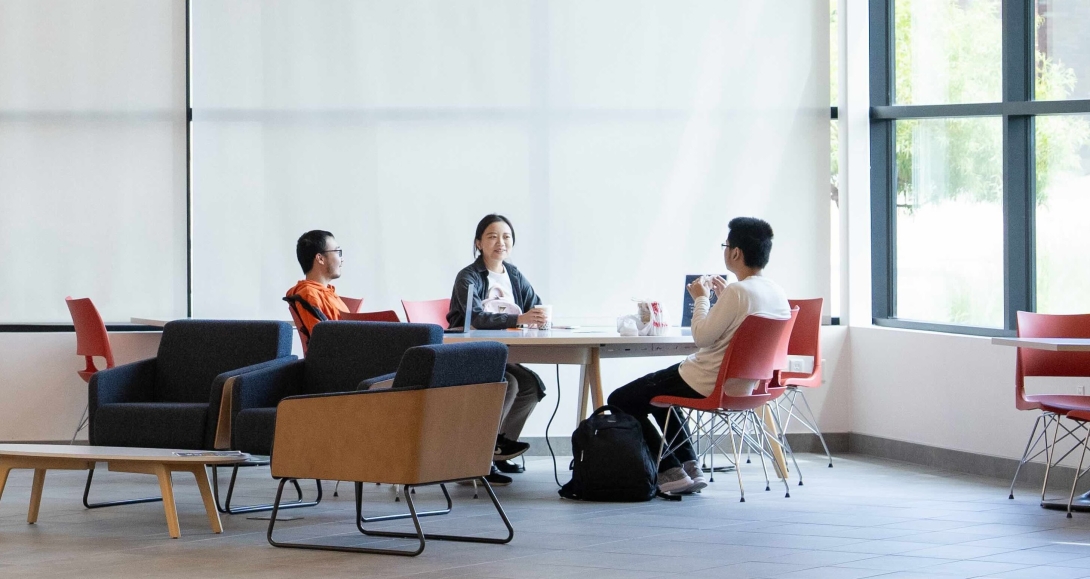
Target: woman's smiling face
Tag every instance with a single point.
(496, 242)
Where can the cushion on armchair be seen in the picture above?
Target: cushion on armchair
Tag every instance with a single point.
(253, 430)
(151, 425)
(341, 354)
(452, 365)
(193, 352)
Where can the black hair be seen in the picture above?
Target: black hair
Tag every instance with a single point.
(484, 223)
(309, 245)
(754, 237)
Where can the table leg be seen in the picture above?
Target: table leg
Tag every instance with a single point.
(595, 372)
(201, 475)
(166, 487)
(777, 451)
(584, 393)
(36, 495)
(5, 468)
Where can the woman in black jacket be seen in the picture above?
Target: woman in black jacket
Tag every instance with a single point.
(502, 298)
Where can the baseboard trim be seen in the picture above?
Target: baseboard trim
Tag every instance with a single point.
(1032, 474)
(840, 443)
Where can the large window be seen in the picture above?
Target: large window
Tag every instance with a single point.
(980, 141)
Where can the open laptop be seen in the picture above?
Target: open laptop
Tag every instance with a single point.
(467, 324)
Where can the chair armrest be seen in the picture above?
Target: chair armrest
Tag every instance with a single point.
(264, 388)
(371, 382)
(127, 383)
(403, 436)
(219, 403)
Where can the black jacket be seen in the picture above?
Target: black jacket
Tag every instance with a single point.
(477, 274)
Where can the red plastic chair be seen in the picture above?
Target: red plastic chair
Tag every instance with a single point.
(1053, 407)
(752, 354)
(383, 316)
(91, 341)
(427, 312)
(805, 341)
(303, 337)
(354, 304)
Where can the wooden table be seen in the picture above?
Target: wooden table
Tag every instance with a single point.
(1050, 344)
(1081, 502)
(584, 348)
(159, 462)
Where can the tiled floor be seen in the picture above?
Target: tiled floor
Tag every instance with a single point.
(863, 518)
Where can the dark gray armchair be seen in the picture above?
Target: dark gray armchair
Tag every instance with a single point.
(340, 356)
(173, 400)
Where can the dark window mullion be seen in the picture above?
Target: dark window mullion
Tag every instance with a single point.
(882, 154)
(1018, 176)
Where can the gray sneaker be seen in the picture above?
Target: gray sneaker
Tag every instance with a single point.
(674, 481)
(692, 468)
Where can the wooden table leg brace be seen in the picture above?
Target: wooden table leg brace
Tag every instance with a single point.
(166, 486)
(39, 466)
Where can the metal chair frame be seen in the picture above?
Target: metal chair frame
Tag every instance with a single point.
(226, 507)
(1044, 420)
(728, 425)
(419, 535)
(794, 411)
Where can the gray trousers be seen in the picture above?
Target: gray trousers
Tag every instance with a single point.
(519, 401)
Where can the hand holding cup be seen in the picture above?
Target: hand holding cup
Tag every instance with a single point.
(538, 317)
(697, 288)
(719, 283)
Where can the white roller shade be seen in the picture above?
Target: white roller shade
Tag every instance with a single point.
(619, 136)
(92, 158)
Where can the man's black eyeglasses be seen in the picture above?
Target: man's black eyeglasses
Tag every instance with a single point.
(339, 252)
(726, 245)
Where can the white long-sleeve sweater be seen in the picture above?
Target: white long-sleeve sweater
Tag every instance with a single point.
(713, 328)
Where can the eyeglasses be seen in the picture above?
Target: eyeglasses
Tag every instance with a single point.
(726, 245)
(338, 251)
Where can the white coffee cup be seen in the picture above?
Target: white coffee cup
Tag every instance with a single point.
(548, 309)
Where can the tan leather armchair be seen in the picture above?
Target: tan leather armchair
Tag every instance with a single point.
(436, 425)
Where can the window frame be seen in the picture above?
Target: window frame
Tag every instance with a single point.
(1017, 112)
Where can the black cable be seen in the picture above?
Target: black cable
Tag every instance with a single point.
(556, 476)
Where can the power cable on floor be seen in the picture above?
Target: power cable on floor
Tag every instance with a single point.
(556, 476)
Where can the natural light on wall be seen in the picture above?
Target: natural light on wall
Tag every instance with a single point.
(92, 158)
(619, 137)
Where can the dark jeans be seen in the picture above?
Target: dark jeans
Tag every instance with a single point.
(635, 398)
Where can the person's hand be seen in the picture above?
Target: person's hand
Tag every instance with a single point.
(697, 289)
(718, 285)
(533, 318)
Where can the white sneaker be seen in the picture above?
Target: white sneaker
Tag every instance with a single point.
(674, 481)
(692, 468)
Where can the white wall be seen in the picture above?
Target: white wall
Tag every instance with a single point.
(41, 397)
(944, 390)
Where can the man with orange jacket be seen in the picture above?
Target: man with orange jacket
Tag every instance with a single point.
(319, 255)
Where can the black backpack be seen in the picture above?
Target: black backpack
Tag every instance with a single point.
(611, 461)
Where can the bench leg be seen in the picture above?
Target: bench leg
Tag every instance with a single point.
(166, 487)
(36, 495)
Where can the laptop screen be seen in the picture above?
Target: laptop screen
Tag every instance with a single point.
(467, 323)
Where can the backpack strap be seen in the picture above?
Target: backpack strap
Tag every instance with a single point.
(295, 302)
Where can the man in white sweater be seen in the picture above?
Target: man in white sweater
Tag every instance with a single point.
(746, 253)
